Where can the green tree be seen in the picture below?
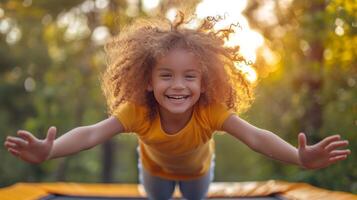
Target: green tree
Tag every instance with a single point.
(313, 87)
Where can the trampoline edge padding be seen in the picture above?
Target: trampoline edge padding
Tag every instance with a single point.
(286, 190)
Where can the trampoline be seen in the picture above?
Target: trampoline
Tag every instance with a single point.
(61, 197)
(268, 190)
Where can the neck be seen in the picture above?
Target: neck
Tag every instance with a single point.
(172, 122)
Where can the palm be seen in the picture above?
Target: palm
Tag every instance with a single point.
(314, 157)
(30, 149)
(36, 152)
(323, 153)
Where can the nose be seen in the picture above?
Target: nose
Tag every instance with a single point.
(178, 83)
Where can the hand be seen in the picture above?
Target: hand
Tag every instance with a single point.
(322, 154)
(30, 149)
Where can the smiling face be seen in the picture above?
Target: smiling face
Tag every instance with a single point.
(176, 82)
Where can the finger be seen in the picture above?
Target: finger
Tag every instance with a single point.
(340, 152)
(8, 145)
(26, 135)
(302, 141)
(6, 141)
(51, 134)
(337, 158)
(18, 141)
(335, 145)
(14, 152)
(329, 139)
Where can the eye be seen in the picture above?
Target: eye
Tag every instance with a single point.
(190, 77)
(165, 76)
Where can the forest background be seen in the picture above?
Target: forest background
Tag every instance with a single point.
(51, 56)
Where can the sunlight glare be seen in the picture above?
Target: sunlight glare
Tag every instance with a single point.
(249, 72)
(100, 35)
(248, 40)
(101, 4)
(30, 84)
(171, 14)
(14, 35)
(149, 5)
(76, 24)
(212, 8)
(265, 13)
(271, 57)
(5, 25)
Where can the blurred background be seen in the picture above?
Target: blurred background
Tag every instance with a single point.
(304, 62)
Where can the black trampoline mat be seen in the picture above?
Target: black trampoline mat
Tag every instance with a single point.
(63, 197)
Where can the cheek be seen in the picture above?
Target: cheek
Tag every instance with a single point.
(197, 86)
(159, 86)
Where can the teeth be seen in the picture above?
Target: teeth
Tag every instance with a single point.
(176, 97)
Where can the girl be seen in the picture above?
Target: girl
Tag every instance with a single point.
(174, 87)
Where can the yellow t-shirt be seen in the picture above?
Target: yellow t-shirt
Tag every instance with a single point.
(184, 155)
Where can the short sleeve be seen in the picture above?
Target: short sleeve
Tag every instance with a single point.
(218, 113)
(130, 116)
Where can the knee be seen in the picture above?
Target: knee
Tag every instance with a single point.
(155, 187)
(163, 192)
(159, 191)
(193, 193)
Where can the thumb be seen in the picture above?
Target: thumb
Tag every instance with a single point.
(302, 140)
(51, 134)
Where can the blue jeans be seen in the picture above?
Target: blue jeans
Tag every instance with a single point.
(158, 188)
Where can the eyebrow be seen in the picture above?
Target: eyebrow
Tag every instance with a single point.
(167, 69)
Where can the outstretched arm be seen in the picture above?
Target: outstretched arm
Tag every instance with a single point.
(31, 149)
(315, 156)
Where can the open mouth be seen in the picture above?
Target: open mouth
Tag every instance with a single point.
(177, 97)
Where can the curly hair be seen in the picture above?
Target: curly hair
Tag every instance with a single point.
(132, 54)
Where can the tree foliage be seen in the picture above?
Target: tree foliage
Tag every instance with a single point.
(312, 86)
(50, 61)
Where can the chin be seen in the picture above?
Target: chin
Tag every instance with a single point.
(178, 111)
